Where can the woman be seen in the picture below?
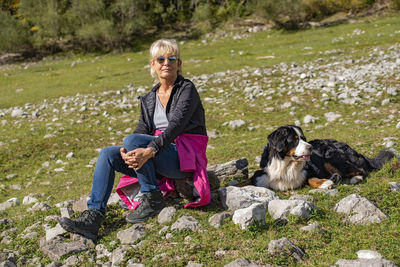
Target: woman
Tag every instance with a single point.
(169, 141)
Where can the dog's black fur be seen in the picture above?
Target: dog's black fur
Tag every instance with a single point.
(288, 160)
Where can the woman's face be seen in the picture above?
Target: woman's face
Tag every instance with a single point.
(166, 66)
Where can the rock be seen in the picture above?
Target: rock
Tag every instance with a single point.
(360, 210)
(118, 256)
(241, 262)
(279, 208)
(9, 203)
(366, 258)
(166, 215)
(312, 227)
(132, 234)
(218, 219)
(243, 197)
(56, 248)
(236, 169)
(53, 232)
(16, 113)
(332, 116)
(394, 186)
(193, 264)
(236, 124)
(114, 199)
(284, 245)
(309, 119)
(390, 144)
(365, 263)
(11, 176)
(330, 192)
(72, 260)
(186, 222)
(15, 187)
(398, 125)
(66, 212)
(302, 197)
(248, 216)
(136, 265)
(29, 200)
(368, 254)
(39, 206)
(80, 204)
(70, 155)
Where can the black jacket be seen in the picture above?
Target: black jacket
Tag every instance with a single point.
(185, 114)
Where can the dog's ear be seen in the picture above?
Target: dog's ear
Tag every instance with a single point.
(264, 157)
(277, 142)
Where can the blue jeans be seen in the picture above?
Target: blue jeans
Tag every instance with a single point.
(110, 160)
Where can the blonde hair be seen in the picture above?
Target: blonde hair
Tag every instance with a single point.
(164, 47)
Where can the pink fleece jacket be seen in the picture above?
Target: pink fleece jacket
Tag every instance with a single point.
(192, 157)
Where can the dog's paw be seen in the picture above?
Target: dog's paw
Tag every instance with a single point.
(356, 179)
(336, 178)
(328, 184)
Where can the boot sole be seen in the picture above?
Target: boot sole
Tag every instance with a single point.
(70, 228)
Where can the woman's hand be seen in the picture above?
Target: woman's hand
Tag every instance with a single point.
(136, 158)
(128, 157)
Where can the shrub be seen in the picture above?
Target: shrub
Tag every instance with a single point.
(289, 14)
(14, 36)
(46, 21)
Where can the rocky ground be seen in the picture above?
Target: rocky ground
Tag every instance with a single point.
(370, 84)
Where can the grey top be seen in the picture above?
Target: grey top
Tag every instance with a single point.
(160, 117)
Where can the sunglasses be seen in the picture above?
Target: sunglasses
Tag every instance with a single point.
(171, 59)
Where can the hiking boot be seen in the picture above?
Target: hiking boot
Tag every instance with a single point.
(87, 224)
(151, 205)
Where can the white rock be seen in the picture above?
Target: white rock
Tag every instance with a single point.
(243, 197)
(70, 155)
(247, 216)
(17, 113)
(332, 116)
(29, 200)
(309, 119)
(385, 102)
(236, 123)
(368, 254)
(360, 210)
(53, 232)
(280, 209)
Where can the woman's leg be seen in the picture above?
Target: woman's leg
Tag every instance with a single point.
(165, 164)
(108, 162)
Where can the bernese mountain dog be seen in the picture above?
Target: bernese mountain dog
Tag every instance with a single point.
(289, 161)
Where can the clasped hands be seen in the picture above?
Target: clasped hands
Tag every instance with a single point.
(137, 157)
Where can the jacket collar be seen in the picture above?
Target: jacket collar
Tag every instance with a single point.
(179, 80)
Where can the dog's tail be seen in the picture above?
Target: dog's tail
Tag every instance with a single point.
(383, 157)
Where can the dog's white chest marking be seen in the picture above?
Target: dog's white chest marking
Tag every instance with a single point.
(282, 175)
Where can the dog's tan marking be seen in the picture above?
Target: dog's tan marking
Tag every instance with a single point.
(331, 169)
(316, 182)
(291, 152)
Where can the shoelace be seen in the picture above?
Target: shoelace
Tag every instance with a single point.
(86, 216)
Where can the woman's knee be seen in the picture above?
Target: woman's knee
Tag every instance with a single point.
(109, 153)
(134, 141)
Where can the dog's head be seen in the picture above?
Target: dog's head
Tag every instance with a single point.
(289, 141)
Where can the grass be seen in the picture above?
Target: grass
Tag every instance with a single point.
(59, 86)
